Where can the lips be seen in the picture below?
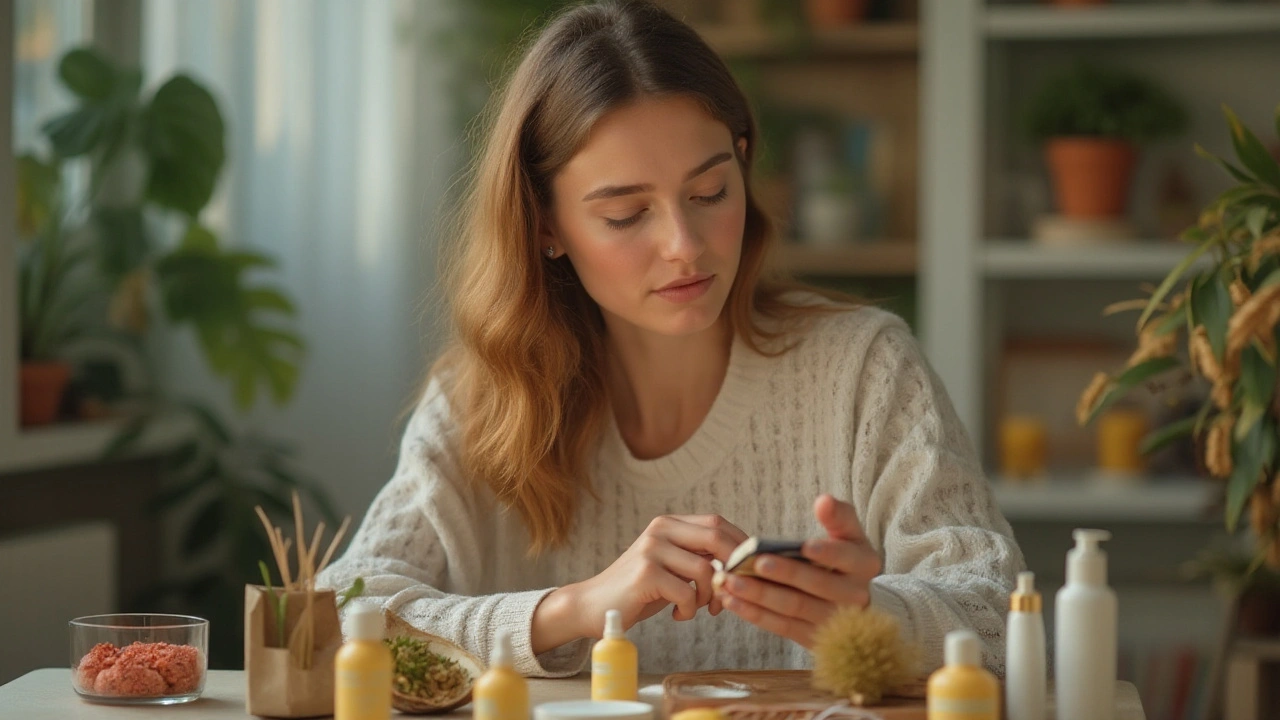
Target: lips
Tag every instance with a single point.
(685, 282)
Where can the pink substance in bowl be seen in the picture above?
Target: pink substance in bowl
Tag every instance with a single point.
(140, 670)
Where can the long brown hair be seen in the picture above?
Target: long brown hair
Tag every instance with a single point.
(526, 362)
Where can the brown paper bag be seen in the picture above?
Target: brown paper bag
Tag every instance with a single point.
(276, 686)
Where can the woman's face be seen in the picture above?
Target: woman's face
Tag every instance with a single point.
(651, 212)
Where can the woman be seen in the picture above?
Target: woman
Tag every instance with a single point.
(627, 397)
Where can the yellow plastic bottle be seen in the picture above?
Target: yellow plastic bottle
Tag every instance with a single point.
(963, 690)
(501, 693)
(614, 663)
(363, 668)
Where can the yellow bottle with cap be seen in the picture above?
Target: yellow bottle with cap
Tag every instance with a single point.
(363, 668)
(963, 690)
(501, 693)
(614, 663)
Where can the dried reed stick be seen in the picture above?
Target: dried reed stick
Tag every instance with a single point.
(301, 644)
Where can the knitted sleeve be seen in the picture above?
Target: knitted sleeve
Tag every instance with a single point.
(423, 543)
(950, 559)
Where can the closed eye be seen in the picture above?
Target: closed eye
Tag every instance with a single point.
(705, 200)
(712, 199)
(624, 222)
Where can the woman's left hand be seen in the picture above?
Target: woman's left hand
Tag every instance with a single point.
(791, 598)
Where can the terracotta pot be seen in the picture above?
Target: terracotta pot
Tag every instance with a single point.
(41, 387)
(827, 13)
(1091, 176)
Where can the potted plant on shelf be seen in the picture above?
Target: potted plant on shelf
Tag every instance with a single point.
(52, 287)
(1091, 120)
(153, 160)
(1223, 303)
(835, 13)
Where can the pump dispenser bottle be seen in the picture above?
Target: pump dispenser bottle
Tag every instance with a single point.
(1085, 617)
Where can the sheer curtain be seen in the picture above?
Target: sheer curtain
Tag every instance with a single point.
(340, 146)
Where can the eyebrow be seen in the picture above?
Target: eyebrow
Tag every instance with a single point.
(612, 191)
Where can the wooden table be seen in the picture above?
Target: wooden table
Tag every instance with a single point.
(47, 695)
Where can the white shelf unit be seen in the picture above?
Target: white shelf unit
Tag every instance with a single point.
(980, 62)
(981, 286)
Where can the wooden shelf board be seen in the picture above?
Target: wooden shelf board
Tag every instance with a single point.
(886, 258)
(1139, 259)
(763, 42)
(1155, 20)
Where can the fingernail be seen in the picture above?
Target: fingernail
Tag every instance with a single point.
(766, 565)
(736, 584)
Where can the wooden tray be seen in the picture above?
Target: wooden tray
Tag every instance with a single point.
(778, 695)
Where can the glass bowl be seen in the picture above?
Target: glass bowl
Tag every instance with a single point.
(139, 658)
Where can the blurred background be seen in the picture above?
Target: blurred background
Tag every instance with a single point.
(217, 282)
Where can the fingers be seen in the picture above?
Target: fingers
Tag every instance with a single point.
(717, 522)
(678, 593)
(792, 628)
(690, 568)
(668, 559)
(778, 599)
(838, 518)
(855, 559)
(833, 587)
(702, 534)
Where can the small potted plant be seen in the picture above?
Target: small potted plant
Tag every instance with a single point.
(1091, 120)
(54, 282)
(1222, 304)
(834, 13)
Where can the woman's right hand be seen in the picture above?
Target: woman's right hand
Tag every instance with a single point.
(656, 571)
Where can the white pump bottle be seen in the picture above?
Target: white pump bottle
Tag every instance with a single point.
(1085, 617)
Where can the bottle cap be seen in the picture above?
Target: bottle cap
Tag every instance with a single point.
(1025, 598)
(613, 625)
(364, 622)
(502, 655)
(1086, 562)
(963, 648)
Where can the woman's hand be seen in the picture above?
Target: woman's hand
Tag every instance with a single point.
(791, 598)
(669, 564)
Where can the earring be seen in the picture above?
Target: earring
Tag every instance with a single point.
(550, 251)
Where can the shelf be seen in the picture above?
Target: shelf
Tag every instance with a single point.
(1139, 259)
(762, 42)
(1085, 499)
(79, 442)
(886, 258)
(1157, 20)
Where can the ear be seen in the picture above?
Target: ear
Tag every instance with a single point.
(742, 148)
(548, 237)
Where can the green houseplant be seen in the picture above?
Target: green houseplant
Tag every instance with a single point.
(136, 239)
(1090, 120)
(54, 284)
(1222, 303)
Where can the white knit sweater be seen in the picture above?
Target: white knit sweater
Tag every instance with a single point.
(853, 410)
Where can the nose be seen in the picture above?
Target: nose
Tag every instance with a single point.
(681, 242)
